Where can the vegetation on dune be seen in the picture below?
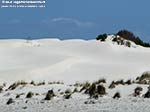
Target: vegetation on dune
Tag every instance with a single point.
(101, 37)
(93, 89)
(144, 78)
(16, 84)
(130, 36)
(50, 94)
(67, 96)
(147, 94)
(127, 35)
(29, 95)
(10, 101)
(137, 91)
(117, 95)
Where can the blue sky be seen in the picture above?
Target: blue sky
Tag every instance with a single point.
(77, 19)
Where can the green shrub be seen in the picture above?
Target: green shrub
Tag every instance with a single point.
(75, 90)
(128, 44)
(10, 101)
(18, 96)
(115, 39)
(117, 95)
(16, 84)
(92, 90)
(56, 82)
(50, 94)
(67, 96)
(119, 82)
(137, 91)
(100, 81)
(68, 91)
(128, 82)
(32, 83)
(41, 83)
(77, 84)
(112, 85)
(29, 95)
(147, 94)
(144, 78)
(1, 89)
(101, 37)
(85, 85)
(101, 90)
(130, 36)
(145, 75)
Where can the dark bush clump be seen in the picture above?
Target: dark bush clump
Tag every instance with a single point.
(128, 44)
(101, 37)
(115, 39)
(67, 96)
(119, 82)
(144, 79)
(10, 101)
(16, 84)
(101, 90)
(95, 90)
(117, 95)
(68, 91)
(92, 90)
(32, 83)
(40, 83)
(100, 81)
(50, 94)
(147, 94)
(86, 85)
(137, 91)
(1, 89)
(128, 82)
(75, 90)
(130, 36)
(18, 96)
(29, 95)
(112, 85)
(115, 83)
(89, 102)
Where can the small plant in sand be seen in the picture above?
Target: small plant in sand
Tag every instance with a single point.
(75, 90)
(18, 96)
(32, 83)
(128, 82)
(16, 84)
(50, 94)
(10, 101)
(1, 89)
(29, 95)
(144, 78)
(117, 95)
(101, 90)
(41, 83)
(77, 84)
(147, 94)
(56, 82)
(112, 85)
(68, 91)
(119, 82)
(67, 96)
(100, 81)
(85, 86)
(137, 91)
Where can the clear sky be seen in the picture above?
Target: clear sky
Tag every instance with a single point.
(77, 19)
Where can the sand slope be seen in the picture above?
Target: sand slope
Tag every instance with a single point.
(70, 60)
